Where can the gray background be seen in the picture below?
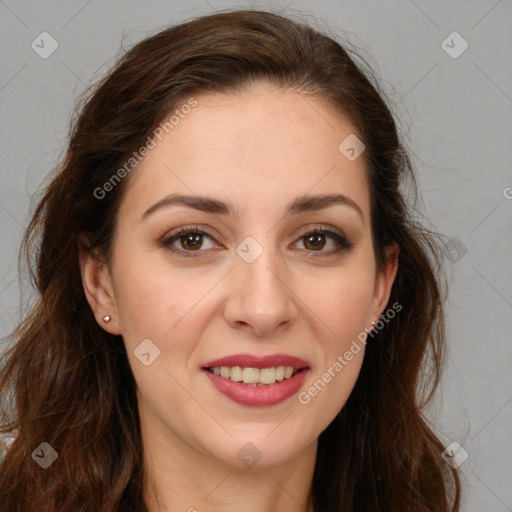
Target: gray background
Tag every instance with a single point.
(456, 115)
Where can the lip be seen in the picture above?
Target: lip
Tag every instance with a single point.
(258, 396)
(252, 361)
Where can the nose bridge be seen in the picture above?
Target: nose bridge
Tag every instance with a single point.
(261, 296)
(258, 256)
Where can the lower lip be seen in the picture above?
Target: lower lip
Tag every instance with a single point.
(258, 396)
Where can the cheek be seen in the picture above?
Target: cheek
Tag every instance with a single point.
(343, 301)
(343, 306)
(161, 308)
(152, 297)
(166, 306)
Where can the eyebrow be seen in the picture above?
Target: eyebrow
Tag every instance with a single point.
(216, 206)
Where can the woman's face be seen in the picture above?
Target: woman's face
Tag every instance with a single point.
(265, 281)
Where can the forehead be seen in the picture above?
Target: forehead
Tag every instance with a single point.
(265, 145)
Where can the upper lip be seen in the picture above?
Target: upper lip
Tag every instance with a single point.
(253, 361)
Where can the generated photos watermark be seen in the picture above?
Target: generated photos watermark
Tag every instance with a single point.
(167, 127)
(337, 366)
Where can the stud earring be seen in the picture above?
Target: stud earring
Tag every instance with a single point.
(106, 319)
(373, 323)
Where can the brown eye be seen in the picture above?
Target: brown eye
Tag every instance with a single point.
(191, 241)
(315, 242)
(187, 241)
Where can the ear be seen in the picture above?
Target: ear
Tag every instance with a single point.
(97, 283)
(384, 281)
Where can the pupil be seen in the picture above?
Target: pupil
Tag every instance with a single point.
(191, 240)
(311, 239)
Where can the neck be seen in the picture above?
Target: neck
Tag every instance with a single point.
(181, 477)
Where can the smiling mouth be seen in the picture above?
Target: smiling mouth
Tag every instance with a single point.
(256, 376)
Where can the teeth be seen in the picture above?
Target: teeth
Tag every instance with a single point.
(255, 376)
(250, 375)
(268, 375)
(236, 373)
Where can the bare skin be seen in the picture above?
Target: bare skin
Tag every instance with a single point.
(258, 152)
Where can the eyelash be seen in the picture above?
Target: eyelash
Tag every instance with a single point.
(341, 240)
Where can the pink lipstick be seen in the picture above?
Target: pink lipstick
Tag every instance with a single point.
(257, 380)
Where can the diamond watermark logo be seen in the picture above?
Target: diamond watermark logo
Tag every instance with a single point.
(454, 455)
(249, 250)
(455, 249)
(249, 455)
(351, 147)
(147, 352)
(454, 45)
(44, 45)
(45, 455)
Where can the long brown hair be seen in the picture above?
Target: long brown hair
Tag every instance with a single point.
(69, 382)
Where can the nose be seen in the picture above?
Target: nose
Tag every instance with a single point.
(261, 299)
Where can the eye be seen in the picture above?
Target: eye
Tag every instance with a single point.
(191, 240)
(315, 238)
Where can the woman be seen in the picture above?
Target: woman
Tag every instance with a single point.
(236, 308)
